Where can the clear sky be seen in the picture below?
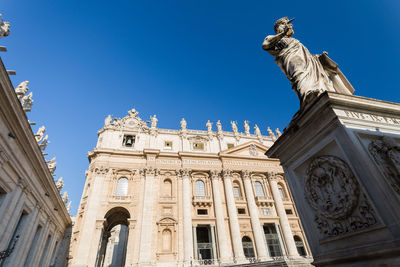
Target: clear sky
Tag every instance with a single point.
(201, 60)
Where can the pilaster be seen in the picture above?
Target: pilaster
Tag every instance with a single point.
(187, 215)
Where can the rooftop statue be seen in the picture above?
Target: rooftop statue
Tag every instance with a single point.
(40, 133)
(60, 184)
(183, 124)
(271, 133)
(22, 89)
(219, 126)
(209, 126)
(44, 143)
(234, 127)
(310, 75)
(246, 128)
(65, 197)
(278, 133)
(257, 130)
(4, 28)
(154, 121)
(27, 102)
(107, 120)
(52, 165)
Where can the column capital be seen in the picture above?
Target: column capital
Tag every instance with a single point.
(148, 170)
(184, 172)
(215, 174)
(245, 174)
(274, 175)
(226, 173)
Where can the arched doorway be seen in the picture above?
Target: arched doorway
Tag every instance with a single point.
(248, 247)
(112, 247)
(300, 246)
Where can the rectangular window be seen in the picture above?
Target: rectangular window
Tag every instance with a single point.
(289, 211)
(128, 141)
(168, 145)
(198, 146)
(202, 212)
(241, 211)
(272, 238)
(16, 235)
(230, 145)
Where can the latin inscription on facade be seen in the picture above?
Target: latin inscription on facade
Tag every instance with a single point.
(369, 117)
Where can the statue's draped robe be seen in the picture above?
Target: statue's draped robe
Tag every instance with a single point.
(304, 71)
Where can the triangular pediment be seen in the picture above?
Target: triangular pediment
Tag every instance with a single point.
(249, 149)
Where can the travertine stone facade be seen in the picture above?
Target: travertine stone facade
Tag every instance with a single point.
(32, 215)
(183, 197)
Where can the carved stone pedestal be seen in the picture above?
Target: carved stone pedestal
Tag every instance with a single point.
(341, 157)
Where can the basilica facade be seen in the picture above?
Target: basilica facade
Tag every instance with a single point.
(161, 197)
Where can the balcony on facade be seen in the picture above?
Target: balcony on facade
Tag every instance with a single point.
(202, 201)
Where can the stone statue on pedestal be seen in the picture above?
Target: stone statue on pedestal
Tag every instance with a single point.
(27, 102)
(4, 28)
(69, 206)
(219, 126)
(22, 89)
(278, 133)
(310, 75)
(40, 133)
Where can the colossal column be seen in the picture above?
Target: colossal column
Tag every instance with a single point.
(255, 221)
(233, 219)
(280, 209)
(149, 173)
(187, 215)
(220, 220)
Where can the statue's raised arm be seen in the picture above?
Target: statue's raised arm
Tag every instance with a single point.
(310, 75)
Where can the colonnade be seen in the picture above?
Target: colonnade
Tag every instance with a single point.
(35, 242)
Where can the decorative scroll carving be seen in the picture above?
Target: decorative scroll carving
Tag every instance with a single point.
(226, 173)
(150, 171)
(101, 170)
(333, 192)
(215, 174)
(245, 174)
(386, 153)
(184, 173)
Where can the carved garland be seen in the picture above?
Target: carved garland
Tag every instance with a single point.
(333, 192)
(386, 153)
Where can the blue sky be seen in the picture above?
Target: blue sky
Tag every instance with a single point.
(201, 60)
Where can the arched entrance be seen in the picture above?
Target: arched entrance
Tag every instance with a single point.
(112, 247)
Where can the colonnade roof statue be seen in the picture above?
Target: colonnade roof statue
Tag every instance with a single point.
(310, 75)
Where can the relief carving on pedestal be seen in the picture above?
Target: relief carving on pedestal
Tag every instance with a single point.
(335, 195)
(386, 153)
